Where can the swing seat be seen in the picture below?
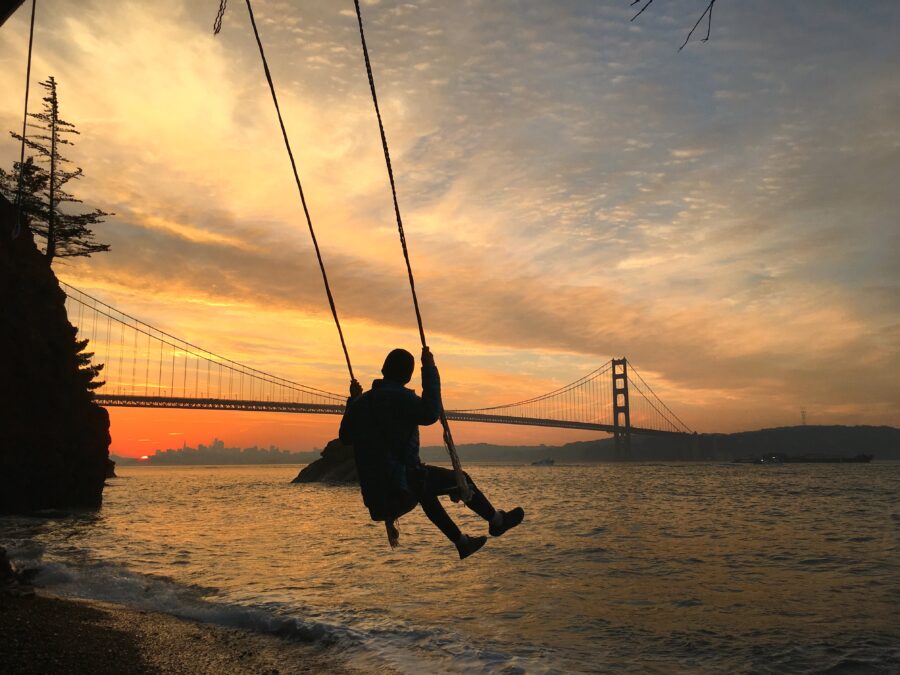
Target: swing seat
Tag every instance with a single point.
(386, 497)
(391, 505)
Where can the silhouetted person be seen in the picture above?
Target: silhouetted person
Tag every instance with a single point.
(382, 425)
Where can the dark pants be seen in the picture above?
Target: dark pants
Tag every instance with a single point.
(428, 482)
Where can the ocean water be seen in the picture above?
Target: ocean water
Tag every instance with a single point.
(617, 567)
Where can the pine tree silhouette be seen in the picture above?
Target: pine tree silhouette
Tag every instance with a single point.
(66, 234)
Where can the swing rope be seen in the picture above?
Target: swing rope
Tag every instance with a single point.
(393, 533)
(465, 490)
(287, 144)
(464, 487)
(17, 229)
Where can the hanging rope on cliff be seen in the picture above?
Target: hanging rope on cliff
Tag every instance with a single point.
(464, 487)
(17, 228)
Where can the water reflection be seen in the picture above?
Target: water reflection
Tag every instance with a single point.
(702, 567)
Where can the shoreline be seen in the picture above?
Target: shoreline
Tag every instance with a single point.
(50, 634)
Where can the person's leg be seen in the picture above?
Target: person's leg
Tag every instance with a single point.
(442, 481)
(439, 516)
(427, 492)
(432, 507)
(479, 503)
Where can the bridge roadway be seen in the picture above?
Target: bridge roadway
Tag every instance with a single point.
(110, 400)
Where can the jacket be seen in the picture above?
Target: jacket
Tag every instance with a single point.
(382, 425)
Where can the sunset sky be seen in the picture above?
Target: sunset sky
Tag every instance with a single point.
(574, 188)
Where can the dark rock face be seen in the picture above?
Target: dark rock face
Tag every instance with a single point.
(7, 571)
(14, 582)
(54, 441)
(335, 466)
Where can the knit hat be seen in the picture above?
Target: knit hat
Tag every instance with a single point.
(398, 366)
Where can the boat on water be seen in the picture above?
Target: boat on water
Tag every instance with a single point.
(781, 458)
(544, 462)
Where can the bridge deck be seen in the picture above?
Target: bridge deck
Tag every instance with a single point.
(109, 400)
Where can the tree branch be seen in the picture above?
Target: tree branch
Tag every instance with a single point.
(707, 13)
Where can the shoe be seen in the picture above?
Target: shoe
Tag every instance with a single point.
(510, 520)
(468, 545)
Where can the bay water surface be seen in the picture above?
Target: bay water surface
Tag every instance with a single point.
(618, 567)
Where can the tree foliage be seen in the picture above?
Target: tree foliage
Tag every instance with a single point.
(87, 371)
(66, 233)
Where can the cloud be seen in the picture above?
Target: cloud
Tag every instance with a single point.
(571, 189)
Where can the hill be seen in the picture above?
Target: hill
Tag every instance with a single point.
(883, 442)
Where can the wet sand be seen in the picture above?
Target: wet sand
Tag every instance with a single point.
(43, 634)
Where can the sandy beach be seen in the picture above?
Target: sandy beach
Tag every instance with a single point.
(44, 634)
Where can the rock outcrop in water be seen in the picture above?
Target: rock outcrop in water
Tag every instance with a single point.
(336, 465)
(54, 440)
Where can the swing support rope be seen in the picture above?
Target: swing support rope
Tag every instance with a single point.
(463, 485)
(217, 26)
(17, 229)
(465, 490)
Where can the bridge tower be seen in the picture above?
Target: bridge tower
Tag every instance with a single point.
(621, 410)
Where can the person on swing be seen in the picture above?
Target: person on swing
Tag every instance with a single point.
(382, 425)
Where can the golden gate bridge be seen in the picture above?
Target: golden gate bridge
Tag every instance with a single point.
(149, 368)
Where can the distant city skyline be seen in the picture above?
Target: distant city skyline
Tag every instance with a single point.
(574, 188)
(217, 452)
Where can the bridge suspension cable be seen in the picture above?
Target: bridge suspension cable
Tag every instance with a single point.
(587, 399)
(148, 367)
(144, 361)
(667, 419)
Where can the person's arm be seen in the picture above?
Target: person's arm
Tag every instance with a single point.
(348, 420)
(428, 408)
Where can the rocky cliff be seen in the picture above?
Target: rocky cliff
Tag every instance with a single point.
(54, 441)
